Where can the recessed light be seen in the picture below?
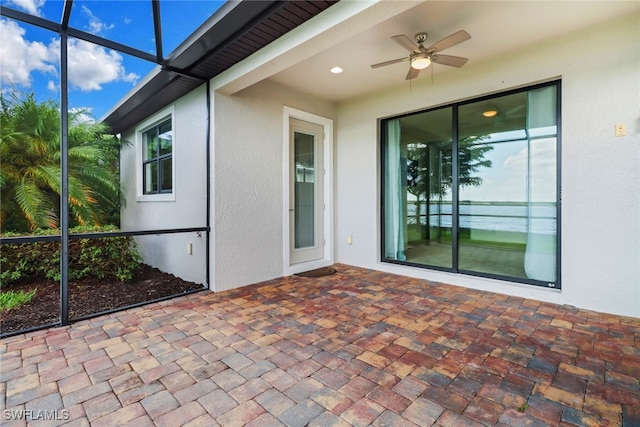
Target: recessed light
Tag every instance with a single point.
(336, 70)
(491, 110)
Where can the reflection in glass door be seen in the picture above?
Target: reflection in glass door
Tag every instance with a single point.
(473, 188)
(304, 189)
(507, 214)
(306, 192)
(418, 202)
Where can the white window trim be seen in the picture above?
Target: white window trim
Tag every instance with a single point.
(152, 121)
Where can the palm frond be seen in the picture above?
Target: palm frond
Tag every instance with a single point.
(48, 176)
(97, 177)
(30, 153)
(83, 214)
(34, 205)
(90, 153)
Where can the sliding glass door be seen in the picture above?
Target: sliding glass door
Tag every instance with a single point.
(473, 187)
(418, 188)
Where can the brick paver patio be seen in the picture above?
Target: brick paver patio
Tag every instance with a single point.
(356, 348)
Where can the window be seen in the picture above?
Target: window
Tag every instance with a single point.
(155, 158)
(157, 162)
(473, 187)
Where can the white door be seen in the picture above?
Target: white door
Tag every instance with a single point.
(306, 191)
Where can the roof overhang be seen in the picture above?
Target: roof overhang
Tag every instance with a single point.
(356, 34)
(343, 21)
(236, 31)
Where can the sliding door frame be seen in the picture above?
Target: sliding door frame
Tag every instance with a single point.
(382, 122)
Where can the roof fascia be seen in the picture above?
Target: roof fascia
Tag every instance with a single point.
(224, 25)
(231, 17)
(193, 38)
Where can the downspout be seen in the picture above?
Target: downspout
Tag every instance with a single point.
(208, 160)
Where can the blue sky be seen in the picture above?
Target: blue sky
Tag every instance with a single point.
(98, 77)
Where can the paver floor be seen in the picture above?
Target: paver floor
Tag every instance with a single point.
(356, 348)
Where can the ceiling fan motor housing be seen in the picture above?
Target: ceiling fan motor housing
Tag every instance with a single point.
(421, 37)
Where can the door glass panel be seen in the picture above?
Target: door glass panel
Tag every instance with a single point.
(418, 202)
(304, 188)
(507, 191)
(492, 212)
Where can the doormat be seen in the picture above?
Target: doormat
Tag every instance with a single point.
(318, 272)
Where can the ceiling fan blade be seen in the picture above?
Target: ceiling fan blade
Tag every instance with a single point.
(450, 60)
(393, 61)
(449, 41)
(405, 42)
(412, 74)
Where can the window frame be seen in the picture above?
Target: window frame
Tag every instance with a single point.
(153, 122)
(382, 124)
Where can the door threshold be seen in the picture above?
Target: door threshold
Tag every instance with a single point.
(307, 266)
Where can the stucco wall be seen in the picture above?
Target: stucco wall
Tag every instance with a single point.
(600, 172)
(247, 181)
(169, 252)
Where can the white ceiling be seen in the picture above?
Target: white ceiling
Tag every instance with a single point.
(496, 28)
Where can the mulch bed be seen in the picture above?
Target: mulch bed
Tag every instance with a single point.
(90, 296)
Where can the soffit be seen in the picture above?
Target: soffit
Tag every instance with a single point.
(497, 29)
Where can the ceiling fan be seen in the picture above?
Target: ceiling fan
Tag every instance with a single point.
(421, 57)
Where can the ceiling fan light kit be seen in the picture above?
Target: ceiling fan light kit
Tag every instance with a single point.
(421, 57)
(420, 61)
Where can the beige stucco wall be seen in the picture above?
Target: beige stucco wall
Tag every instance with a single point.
(187, 209)
(247, 181)
(600, 172)
(600, 76)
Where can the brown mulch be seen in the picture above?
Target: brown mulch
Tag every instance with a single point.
(90, 296)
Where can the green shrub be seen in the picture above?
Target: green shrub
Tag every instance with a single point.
(11, 299)
(103, 258)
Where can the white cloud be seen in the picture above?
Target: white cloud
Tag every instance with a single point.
(543, 154)
(20, 57)
(96, 26)
(31, 6)
(90, 66)
(506, 179)
(542, 168)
